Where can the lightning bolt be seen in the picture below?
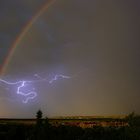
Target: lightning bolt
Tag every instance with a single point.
(57, 77)
(28, 95)
(32, 94)
(22, 84)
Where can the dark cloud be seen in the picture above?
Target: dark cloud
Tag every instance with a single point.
(95, 42)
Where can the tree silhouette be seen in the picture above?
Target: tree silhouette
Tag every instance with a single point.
(39, 115)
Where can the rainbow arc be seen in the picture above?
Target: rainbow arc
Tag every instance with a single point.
(19, 38)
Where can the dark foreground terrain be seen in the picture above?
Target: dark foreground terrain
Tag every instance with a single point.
(77, 129)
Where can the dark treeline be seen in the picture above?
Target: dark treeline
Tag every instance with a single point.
(43, 130)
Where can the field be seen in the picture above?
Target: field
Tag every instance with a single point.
(71, 128)
(84, 122)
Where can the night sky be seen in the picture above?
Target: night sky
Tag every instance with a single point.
(94, 42)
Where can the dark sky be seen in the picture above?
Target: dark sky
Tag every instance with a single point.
(95, 42)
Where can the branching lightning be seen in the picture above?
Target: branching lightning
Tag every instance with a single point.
(22, 84)
(31, 94)
(57, 77)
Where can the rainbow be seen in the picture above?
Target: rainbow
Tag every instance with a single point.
(22, 34)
